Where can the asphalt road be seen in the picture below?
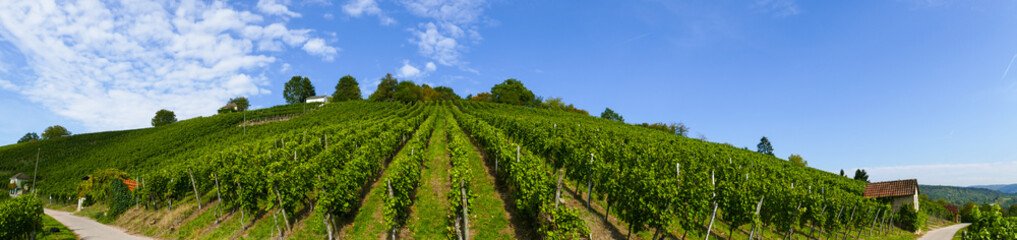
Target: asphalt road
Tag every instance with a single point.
(89, 229)
(943, 233)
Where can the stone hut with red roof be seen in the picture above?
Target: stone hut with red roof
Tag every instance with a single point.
(898, 192)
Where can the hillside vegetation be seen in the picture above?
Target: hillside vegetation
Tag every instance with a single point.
(354, 168)
(960, 196)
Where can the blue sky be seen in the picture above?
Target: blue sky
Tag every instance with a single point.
(905, 89)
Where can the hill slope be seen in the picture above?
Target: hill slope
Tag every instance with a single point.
(962, 195)
(314, 171)
(1006, 188)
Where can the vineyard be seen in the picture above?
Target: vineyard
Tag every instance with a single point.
(451, 169)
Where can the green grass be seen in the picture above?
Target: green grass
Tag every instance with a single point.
(193, 228)
(264, 228)
(313, 227)
(429, 212)
(47, 223)
(228, 228)
(960, 233)
(370, 218)
(487, 216)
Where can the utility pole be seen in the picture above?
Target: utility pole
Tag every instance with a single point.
(35, 176)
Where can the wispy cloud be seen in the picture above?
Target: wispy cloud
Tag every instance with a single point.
(112, 65)
(1008, 65)
(963, 174)
(779, 8)
(413, 73)
(357, 8)
(454, 22)
(272, 7)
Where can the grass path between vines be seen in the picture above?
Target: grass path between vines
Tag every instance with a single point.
(489, 217)
(370, 220)
(428, 214)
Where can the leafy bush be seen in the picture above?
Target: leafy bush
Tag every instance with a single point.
(119, 199)
(909, 219)
(20, 216)
(992, 225)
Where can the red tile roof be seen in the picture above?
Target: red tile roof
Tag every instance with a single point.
(131, 184)
(21, 176)
(892, 188)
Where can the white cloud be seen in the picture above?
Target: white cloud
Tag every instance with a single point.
(285, 67)
(7, 85)
(779, 8)
(357, 8)
(437, 45)
(318, 47)
(327, 16)
(272, 7)
(454, 23)
(965, 174)
(412, 72)
(113, 65)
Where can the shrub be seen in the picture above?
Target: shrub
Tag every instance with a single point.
(909, 219)
(119, 199)
(19, 217)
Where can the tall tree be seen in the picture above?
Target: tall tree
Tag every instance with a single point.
(164, 117)
(764, 146)
(860, 174)
(842, 173)
(29, 137)
(796, 159)
(611, 115)
(406, 91)
(385, 89)
(347, 89)
(298, 89)
(241, 102)
(427, 93)
(512, 91)
(446, 93)
(55, 131)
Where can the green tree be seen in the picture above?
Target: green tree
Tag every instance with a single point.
(241, 102)
(298, 89)
(164, 117)
(860, 174)
(611, 115)
(347, 89)
(842, 173)
(29, 137)
(796, 159)
(55, 131)
(385, 89)
(406, 91)
(512, 91)
(764, 146)
(446, 93)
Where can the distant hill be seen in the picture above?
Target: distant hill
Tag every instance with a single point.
(961, 195)
(1007, 188)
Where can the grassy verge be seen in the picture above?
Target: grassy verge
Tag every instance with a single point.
(488, 218)
(429, 211)
(47, 223)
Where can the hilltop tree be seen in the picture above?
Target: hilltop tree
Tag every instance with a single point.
(406, 91)
(55, 131)
(842, 173)
(482, 97)
(764, 146)
(385, 89)
(512, 91)
(797, 159)
(611, 115)
(164, 117)
(29, 137)
(298, 89)
(446, 93)
(860, 174)
(241, 102)
(347, 89)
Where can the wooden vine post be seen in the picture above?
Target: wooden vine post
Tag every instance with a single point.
(285, 217)
(754, 225)
(197, 197)
(713, 215)
(589, 184)
(391, 195)
(466, 214)
(557, 190)
(218, 209)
